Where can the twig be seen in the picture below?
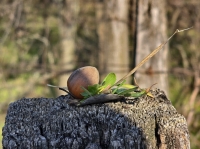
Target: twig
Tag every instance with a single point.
(61, 88)
(101, 98)
(148, 57)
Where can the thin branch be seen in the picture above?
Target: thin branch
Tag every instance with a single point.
(148, 57)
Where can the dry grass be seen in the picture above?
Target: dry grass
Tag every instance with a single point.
(2, 120)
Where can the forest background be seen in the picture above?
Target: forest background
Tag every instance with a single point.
(43, 41)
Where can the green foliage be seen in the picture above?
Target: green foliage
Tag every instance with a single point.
(122, 89)
(21, 46)
(108, 81)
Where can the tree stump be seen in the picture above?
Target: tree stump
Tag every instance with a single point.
(132, 123)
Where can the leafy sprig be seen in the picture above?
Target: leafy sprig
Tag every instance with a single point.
(109, 84)
(121, 88)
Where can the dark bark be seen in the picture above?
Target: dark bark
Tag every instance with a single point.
(132, 123)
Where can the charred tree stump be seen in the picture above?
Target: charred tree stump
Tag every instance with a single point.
(138, 123)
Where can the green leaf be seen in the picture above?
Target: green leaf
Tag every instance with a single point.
(110, 79)
(121, 84)
(138, 94)
(129, 86)
(94, 89)
(117, 86)
(86, 93)
(126, 91)
(119, 90)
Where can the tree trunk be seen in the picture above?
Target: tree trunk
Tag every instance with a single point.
(134, 123)
(151, 32)
(112, 26)
(68, 26)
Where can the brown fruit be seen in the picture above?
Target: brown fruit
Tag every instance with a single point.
(82, 77)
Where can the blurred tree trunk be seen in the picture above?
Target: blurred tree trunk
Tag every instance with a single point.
(68, 26)
(112, 28)
(151, 32)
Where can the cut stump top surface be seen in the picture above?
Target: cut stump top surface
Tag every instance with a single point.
(134, 123)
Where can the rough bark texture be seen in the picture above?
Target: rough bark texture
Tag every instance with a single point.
(138, 123)
(151, 32)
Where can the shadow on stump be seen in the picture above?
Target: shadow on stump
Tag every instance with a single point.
(140, 123)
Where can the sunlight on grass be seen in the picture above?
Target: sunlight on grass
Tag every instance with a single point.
(2, 120)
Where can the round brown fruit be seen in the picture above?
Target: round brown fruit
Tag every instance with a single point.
(82, 77)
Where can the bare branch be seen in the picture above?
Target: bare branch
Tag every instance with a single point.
(149, 56)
